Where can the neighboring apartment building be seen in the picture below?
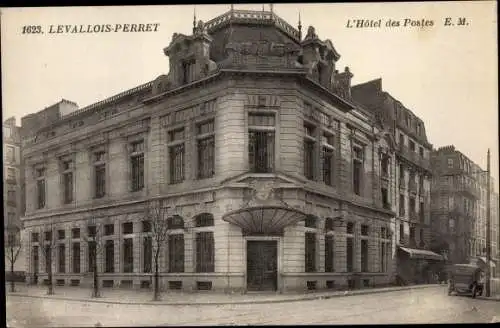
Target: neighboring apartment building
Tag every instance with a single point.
(459, 194)
(410, 192)
(13, 203)
(271, 175)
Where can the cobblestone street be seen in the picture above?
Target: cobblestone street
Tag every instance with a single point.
(428, 305)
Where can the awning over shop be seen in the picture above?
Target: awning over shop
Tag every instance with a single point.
(421, 254)
(264, 219)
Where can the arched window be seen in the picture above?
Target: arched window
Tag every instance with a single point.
(204, 220)
(310, 221)
(205, 244)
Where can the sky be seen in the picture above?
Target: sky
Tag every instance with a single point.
(447, 75)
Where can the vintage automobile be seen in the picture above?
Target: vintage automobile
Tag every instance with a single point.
(466, 279)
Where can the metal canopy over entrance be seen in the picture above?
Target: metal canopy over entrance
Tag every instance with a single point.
(264, 220)
(421, 254)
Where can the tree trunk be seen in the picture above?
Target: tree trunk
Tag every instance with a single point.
(51, 288)
(156, 283)
(12, 283)
(96, 277)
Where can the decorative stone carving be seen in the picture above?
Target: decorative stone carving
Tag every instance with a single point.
(311, 33)
(262, 190)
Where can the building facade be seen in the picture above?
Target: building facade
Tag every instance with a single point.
(459, 207)
(410, 189)
(13, 204)
(270, 173)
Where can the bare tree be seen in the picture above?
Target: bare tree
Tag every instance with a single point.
(48, 241)
(94, 240)
(13, 248)
(157, 215)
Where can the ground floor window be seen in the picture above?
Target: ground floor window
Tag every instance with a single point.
(205, 252)
(62, 258)
(76, 257)
(364, 255)
(176, 253)
(148, 253)
(349, 254)
(109, 256)
(329, 254)
(310, 252)
(128, 255)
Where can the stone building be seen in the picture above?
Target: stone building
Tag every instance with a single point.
(409, 191)
(459, 193)
(13, 204)
(270, 173)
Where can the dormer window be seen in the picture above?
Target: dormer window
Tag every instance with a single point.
(188, 71)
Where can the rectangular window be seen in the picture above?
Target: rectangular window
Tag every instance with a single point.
(385, 165)
(92, 247)
(75, 233)
(11, 154)
(137, 167)
(422, 235)
(364, 230)
(421, 151)
(261, 140)
(109, 229)
(189, 71)
(109, 254)
(11, 196)
(128, 255)
(261, 151)
(329, 254)
(61, 234)
(40, 184)
(100, 180)
(364, 255)
(176, 253)
(310, 252)
(357, 169)
(412, 145)
(402, 205)
(450, 163)
(48, 258)
(327, 159)
(385, 198)
(412, 207)
(382, 257)
(127, 228)
(349, 254)
(62, 258)
(148, 254)
(401, 232)
(76, 257)
(206, 150)
(177, 163)
(205, 252)
(309, 147)
(422, 212)
(146, 226)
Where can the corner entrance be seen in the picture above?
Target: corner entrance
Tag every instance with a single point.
(262, 265)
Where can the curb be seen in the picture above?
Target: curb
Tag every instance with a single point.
(491, 299)
(279, 300)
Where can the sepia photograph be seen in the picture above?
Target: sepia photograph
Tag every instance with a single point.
(251, 164)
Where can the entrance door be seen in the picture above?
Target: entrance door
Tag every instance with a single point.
(262, 265)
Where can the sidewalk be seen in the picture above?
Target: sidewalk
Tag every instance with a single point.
(144, 297)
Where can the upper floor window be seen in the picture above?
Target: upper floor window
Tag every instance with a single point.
(421, 151)
(261, 133)
(418, 129)
(401, 139)
(450, 163)
(385, 165)
(206, 149)
(327, 158)
(188, 71)
(11, 154)
(40, 187)
(99, 174)
(67, 172)
(357, 168)
(408, 120)
(137, 165)
(412, 145)
(309, 146)
(177, 155)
